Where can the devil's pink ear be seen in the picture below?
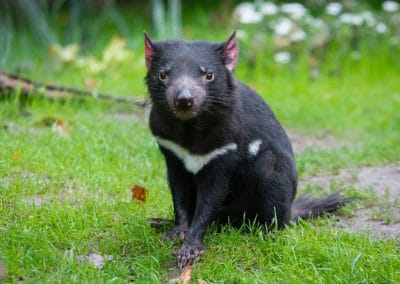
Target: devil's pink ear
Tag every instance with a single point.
(231, 51)
(148, 50)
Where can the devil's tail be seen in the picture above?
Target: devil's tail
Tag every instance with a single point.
(306, 207)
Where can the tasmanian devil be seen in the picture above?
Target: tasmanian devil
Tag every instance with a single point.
(227, 156)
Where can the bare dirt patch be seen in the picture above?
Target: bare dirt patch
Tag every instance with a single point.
(323, 141)
(381, 220)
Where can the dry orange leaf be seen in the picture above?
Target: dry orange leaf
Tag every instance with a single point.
(16, 155)
(60, 128)
(139, 193)
(185, 277)
(90, 82)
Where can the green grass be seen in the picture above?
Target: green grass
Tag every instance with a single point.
(83, 181)
(301, 254)
(62, 197)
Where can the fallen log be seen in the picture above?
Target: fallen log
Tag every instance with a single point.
(13, 82)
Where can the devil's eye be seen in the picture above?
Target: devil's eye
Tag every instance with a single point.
(209, 76)
(162, 76)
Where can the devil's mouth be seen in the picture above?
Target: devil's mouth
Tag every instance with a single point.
(185, 114)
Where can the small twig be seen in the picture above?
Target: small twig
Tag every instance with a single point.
(13, 82)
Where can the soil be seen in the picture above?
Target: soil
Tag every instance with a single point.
(381, 221)
(301, 142)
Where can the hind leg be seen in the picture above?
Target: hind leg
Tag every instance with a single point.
(274, 205)
(276, 181)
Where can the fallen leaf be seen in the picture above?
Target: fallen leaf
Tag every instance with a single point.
(185, 277)
(60, 128)
(16, 155)
(139, 193)
(90, 82)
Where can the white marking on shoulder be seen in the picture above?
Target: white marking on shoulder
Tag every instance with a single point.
(254, 147)
(192, 162)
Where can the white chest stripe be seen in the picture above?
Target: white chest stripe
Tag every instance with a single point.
(254, 147)
(194, 163)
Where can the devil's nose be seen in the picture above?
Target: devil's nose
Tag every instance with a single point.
(184, 99)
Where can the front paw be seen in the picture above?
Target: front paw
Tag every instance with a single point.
(187, 254)
(176, 233)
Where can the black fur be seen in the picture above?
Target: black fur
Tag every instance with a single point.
(200, 106)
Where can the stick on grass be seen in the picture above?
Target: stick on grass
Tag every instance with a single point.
(12, 82)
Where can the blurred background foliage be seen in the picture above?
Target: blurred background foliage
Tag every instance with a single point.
(311, 36)
(88, 21)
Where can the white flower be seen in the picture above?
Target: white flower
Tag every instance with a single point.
(241, 34)
(282, 57)
(296, 10)
(283, 27)
(390, 6)
(268, 8)
(352, 19)
(333, 8)
(381, 28)
(248, 14)
(368, 18)
(316, 23)
(298, 35)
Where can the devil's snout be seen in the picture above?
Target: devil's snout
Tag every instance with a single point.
(185, 96)
(184, 100)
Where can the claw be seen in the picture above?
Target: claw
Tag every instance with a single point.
(175, 234)
(181, 234)
(187, 254)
